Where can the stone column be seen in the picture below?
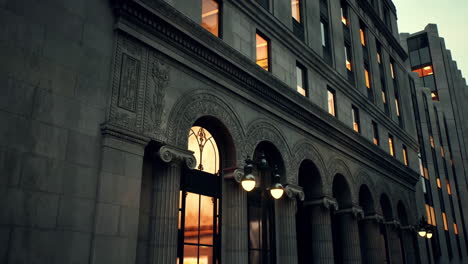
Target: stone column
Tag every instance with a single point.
(286, 230)
(371, 242)
(394, 243)
(322, 238)
(348, 221)
(408, 237)
(164, 217)
(234, 227)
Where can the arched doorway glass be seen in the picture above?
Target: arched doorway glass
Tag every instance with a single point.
(199, 210)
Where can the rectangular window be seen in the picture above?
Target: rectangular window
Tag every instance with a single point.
(430, 213)
(367, 78)
(384, 95)
(444, 217)
(392, 70)
(405, 155)
(424, 71)
(262, 51)
(375, 131)
(442, 152)
(439, 184)
(391, 147)
(324, 32)
(431, 140)
(210, 16)
(397, 107)
(455, 228)
(355, 116)
(347, 50)
(363, 36)
(344, 14)
(449, 189)
(331, 102)
(301, 79)
(296, 10)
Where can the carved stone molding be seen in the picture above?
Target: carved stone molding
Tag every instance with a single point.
(356, 211)
(263, 130)
(394, 223)
(294, 191)
(122, 134)
(198, 104)
(375, 217)
(139, 80)
(171, 154)
(326, 202)
(235, 174)
(305, 150)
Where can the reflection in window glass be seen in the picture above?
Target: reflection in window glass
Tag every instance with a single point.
(262, 52)
(296, 10)
(202, 143)
(331, 102)
(210, 16)
(301, 80)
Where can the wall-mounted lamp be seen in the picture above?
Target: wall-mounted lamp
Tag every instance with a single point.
(248, 181)
(424, 229)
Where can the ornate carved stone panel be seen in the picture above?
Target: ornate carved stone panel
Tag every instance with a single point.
(139, 80)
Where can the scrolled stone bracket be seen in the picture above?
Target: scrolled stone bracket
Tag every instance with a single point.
(171, 154)
(325, 202)
(408, 228)
(234, 173)
(356, 211)
(294, 191)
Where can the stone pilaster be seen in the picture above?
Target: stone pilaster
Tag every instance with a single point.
(351, 248)
(164, 217)
(322, 238)
(286, 230)
(371, 242)
(394, 242)
(408, 239)
(234, 226)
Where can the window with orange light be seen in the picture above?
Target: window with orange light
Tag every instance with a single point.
(444, 218)
(347, 51)
(426, 173)
(431, 140)
(392, 70)
(331, 102)
(455, 228)
(363, 36)
(344, 14)
(405, 155)
(375, 130)
(442, 152)
(434, 96)
(424, 71)
(367, 78)
(210, 16)
(397, 107)
(449, 189)
(390, 145)
(355, 116)
(439, 184)
(430, 214)
(262, 50)
(296, 10)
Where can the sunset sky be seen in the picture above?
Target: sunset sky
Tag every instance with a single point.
(451, 17)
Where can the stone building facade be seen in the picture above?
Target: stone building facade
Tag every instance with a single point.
(440, 91)
(101, 98)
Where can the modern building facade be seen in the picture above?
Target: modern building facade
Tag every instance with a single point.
(127, 126)
(440, 116)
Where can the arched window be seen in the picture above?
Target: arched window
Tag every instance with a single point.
(199, 219)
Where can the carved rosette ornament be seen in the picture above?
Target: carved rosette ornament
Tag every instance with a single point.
(171, 154)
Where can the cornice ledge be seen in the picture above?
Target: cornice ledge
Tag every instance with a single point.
(123, 134)
(172, 154)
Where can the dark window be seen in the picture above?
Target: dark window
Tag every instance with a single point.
(355, 116)
(301, 79)
(264, 3)
(375, 131)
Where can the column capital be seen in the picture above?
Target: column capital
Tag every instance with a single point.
(172, 154)
(374, 217)
(293, 191)
(233, 173)
(325, 201)
(354, 210)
